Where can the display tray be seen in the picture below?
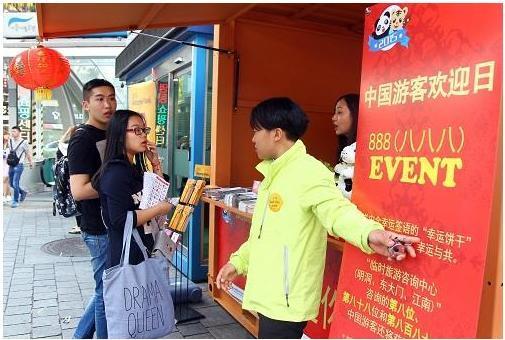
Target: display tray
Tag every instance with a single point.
(233, 210)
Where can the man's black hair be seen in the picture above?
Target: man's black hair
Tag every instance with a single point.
(282, 113)
(90, 85)
(15, 127)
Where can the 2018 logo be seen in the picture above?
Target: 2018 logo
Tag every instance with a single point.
(389, 29)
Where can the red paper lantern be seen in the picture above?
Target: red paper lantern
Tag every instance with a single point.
(40, 69)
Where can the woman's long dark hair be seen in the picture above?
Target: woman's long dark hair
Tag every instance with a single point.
(352, 101)
(115, 148)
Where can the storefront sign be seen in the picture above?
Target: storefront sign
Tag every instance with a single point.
(51, 114)
(202, 171)
(161, 113)
(142, 99)
(20, 25)
(425, 166)
(5, 101)
(24, 116)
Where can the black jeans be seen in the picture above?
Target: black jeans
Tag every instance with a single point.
(277, 329)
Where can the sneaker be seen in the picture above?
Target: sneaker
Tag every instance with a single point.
(75, 230)
(7, 199)
(23, 196)
(14, 205)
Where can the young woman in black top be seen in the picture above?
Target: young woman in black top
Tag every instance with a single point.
(120, 179)
(345, 120)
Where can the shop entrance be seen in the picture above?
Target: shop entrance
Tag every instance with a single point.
(181, 143)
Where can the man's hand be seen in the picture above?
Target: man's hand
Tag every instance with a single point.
(226, 275)
(392, 245)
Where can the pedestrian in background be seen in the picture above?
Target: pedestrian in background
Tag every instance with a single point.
(19, 150)
(6, 189)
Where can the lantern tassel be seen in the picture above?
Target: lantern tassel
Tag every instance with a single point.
(42, 93)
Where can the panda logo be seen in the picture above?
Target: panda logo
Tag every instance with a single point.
(382, 26)
(390, 23)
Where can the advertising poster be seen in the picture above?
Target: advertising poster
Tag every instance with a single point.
(430, 109)
(142, 99)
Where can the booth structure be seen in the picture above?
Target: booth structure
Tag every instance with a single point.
(284, 55)
(309, 52)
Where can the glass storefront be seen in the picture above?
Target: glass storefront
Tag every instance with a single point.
(181, 85)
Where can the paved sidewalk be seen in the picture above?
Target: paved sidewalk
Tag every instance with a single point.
(44, 295)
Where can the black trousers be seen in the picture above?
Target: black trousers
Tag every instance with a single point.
(277, 329)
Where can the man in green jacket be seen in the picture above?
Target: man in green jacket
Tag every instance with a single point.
(298, 203)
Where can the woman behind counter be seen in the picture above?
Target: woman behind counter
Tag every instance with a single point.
(345, 122)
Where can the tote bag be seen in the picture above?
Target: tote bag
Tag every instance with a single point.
(137, 299)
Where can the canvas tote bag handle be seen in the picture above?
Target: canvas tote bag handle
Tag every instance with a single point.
(127, 234)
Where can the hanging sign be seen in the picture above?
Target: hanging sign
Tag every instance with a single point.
(142, 99)
(24, 112)
(161, 113)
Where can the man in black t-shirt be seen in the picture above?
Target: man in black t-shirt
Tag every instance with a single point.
(84, 159)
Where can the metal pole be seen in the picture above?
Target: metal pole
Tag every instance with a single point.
(236, 66)
(186, 43)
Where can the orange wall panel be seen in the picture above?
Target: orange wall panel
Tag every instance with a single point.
(311, 68)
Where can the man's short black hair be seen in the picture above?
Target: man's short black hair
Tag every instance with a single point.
(282, 113)
(15, 127)
(90, 85)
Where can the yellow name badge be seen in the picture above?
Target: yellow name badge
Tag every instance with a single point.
(275, 202)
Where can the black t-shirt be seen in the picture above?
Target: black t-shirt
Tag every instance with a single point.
(120, 192)
(84, 159)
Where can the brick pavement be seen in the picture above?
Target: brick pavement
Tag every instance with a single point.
(44, 295)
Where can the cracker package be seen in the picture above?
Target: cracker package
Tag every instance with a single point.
(190, 197)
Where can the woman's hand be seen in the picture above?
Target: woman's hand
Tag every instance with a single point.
(145, 215)
(164, 208)
(152, 153)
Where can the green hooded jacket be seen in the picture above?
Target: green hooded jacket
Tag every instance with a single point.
(284, 256)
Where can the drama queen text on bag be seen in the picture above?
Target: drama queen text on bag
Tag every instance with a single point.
(145, 305)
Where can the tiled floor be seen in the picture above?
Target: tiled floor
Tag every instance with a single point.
(45, 295)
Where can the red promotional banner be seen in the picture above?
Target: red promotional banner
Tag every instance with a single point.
(430, 109)
(319, 328)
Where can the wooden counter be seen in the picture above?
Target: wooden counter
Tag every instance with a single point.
(229, 228)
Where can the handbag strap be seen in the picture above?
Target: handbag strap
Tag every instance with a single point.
(141, 244)
(127, 234)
